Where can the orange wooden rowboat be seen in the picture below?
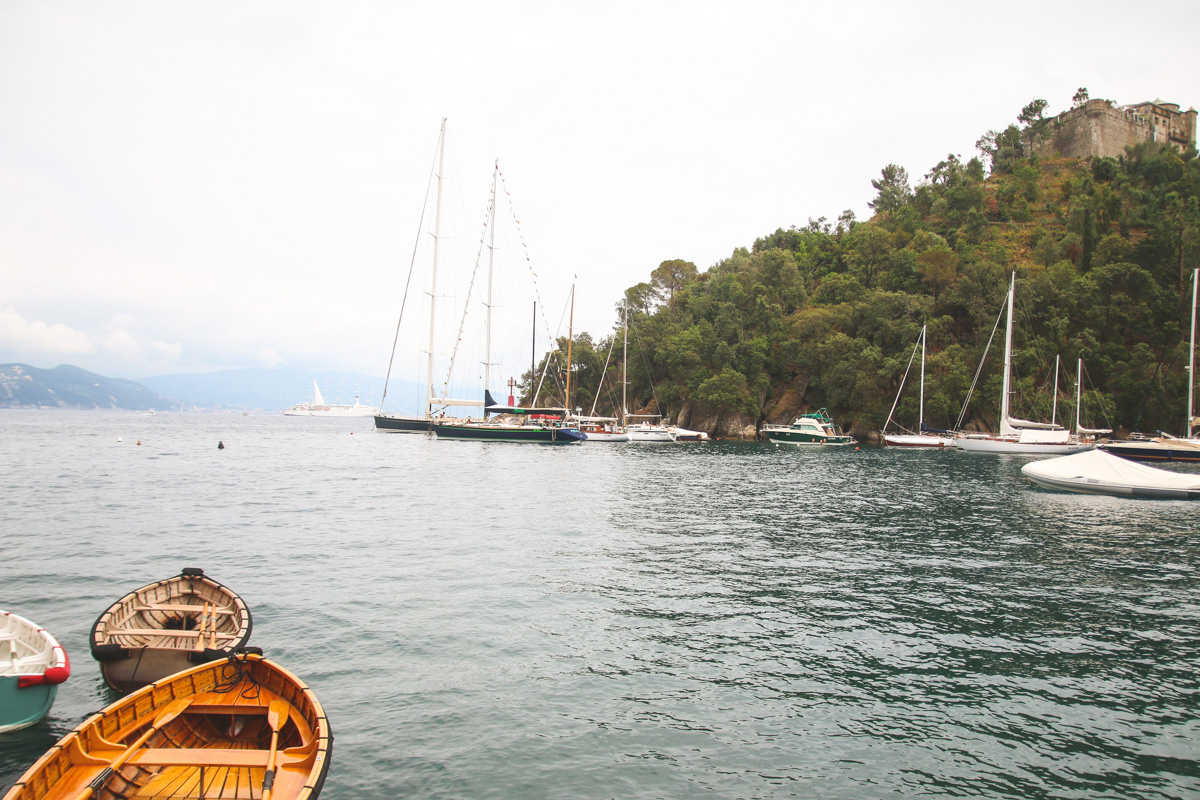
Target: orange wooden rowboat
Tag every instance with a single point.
(242, 727)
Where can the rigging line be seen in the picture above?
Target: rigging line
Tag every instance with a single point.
(649, 372)
(467, 302)
(528, 261)
(911, 358)
(963, 413)
(411, 264)
(552, 355)
(603, 372)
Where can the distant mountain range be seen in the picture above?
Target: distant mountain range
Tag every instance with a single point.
(23, 386)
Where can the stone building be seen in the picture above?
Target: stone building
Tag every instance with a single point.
(1099, 128)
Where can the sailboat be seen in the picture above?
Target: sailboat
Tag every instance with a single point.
(319, 408)
(400, 423)
(607, 429)
(924, 437)
(1165, 447)
(538, 425)
(1019, 436)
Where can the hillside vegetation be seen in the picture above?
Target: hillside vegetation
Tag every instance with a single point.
(826, 315)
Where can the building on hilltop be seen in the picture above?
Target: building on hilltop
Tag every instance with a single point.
(1100, 128)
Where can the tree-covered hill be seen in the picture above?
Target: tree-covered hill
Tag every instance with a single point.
(827, 314)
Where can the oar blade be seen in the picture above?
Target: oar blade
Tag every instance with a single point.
(277, 714)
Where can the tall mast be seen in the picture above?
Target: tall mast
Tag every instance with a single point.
(1054, 406)
(625, 362)
(1192, 353)
(487, 341)
(437, 227)
(533, 352)
(1078, 392)
(1005, 427)
(570, 340)
(921, 406)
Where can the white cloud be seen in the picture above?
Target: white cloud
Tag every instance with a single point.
(19, 335)
(269, 357)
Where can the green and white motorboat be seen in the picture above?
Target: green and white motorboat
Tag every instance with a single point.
(816, 428)
(32, 664)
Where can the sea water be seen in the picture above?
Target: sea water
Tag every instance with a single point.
(732, 620)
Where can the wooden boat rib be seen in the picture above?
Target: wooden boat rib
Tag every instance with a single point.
(32, 664)
(167, 626)
(217, 746)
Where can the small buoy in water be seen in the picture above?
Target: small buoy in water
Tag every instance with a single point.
(119, 439)
(351, 433)
(139, 442)
(856, 448)
(220, 445)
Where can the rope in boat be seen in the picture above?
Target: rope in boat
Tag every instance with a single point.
(233, 673)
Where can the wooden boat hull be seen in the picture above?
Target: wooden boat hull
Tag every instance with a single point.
(168, 626)
(32, 664)
(221, 737)
(403, 424)
(510, 433)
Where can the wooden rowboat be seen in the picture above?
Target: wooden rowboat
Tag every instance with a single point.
(242, 727)
(32, 664)
(168, 626)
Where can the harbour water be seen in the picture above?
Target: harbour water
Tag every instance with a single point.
(732, 620)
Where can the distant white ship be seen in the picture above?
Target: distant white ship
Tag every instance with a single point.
(319, 408)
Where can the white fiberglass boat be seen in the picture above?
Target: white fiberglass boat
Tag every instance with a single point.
(319, 408)
(649, 431)
(1018, 436)
(926, 437)
(1098, 472)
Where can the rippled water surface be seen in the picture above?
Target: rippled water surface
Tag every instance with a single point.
(635, 621)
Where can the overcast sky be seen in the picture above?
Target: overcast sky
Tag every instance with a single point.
(187, 187)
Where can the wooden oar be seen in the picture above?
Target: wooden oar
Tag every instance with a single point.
(277, 717)
(173, 710)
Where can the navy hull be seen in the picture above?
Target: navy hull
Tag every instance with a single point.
(403, 424)
(510, 433)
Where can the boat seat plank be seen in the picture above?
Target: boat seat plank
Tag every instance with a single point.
(71, 784)
(186, 608)
(164, 632)
(226, 708)
(199, 757)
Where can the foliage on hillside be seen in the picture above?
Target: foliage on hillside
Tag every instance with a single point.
(827, 314)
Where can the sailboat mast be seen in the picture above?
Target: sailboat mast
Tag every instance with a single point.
(1007, 358)
(1192, 353)
(1078, 392)
(570, 339)
(921, 406)
(437, 228)
(487, 340)
(532, 352)
(625, 362)
(1054, 404)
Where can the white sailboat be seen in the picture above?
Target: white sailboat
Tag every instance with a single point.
(1020, 436)
(319, 408)
(401, 423)
(921, 438)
